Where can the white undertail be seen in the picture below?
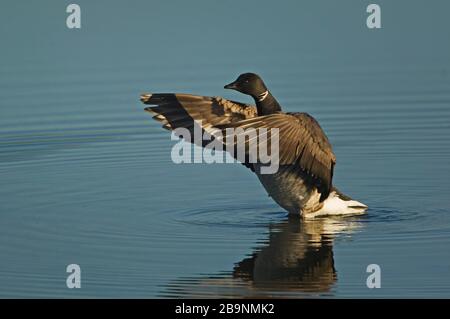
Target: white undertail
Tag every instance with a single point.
(339, 204)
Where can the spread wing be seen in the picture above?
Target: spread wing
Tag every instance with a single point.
(186, 111)
(302, 143)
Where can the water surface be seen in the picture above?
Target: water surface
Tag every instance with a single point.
(87, 178)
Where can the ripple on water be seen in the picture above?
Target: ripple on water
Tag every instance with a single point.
(230, 216)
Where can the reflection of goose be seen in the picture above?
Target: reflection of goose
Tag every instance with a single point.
(301, 183)
(296, 260)
(298, 255)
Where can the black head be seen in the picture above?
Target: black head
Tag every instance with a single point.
(248, 83)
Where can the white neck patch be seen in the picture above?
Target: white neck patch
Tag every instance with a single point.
(262, 96)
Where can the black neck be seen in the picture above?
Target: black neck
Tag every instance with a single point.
(267, 105)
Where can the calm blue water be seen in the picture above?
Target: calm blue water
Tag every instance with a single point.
(87, 178)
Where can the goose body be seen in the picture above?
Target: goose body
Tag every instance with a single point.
(302, 185)
(290, 190)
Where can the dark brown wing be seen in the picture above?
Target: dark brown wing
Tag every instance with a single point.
(186, 111)
(302, 142)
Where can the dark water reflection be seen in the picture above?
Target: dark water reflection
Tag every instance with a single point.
(295, 260)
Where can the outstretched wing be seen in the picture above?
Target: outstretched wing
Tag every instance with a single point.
(185, 110)
(302, 142)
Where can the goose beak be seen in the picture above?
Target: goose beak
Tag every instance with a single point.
(231, 86)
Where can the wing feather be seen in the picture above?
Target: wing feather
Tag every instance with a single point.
(302, 142)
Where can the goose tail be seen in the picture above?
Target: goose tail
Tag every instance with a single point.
(337, 203)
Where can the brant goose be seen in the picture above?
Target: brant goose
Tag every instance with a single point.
(302, 185)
